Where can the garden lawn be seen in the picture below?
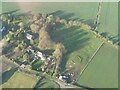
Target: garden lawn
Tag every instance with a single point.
(20, 80)
(36, 64)
(102, 72)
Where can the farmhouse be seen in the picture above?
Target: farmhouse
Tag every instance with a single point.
(2, 29)
(22, 66)
(29, 36)
(63, 78)
(39, 54)
(30, 51)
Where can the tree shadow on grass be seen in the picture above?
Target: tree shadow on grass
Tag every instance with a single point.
(11, 12)
(28, 13)
(90, 22)
(7, 75)
(73, 39)
(85, 87)
(63, 14)
(39, 85)
(69, 16)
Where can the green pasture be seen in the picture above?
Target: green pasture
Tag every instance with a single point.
(102, 72)
(20, 80)
(82, 11)
(109, 19)
(45, 83)
(66, 10)
(81, 44)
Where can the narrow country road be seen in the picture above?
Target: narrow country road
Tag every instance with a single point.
(62, 84)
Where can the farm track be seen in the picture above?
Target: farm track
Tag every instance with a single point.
(91, 59)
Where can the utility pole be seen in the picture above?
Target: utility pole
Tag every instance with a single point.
(98, 15)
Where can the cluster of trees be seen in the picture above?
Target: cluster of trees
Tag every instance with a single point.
(58, 53)
(84, 26)
(34, 28)
(37, 21)
(45, 41)
(112, 39)
(6, 17)
(40, 24)
(73, 23)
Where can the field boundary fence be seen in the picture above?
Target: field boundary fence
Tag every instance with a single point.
(90, 59)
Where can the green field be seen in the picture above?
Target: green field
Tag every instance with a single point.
(6, 75)
(102, 72)
(83, 11)
(20, 80)
(45, 83)
(80, 43)
(63, 9)
(109, 19)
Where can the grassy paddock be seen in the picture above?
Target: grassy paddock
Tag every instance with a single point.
(109, 18)
(102, 72)
(80, 45)
(65, 10)
(20, 80)
(45, 83)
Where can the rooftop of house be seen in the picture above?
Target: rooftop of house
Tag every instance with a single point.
(2, 29)
(22, 66)
(28, 36)
(43, 58)
(63, 78)
(41, 55)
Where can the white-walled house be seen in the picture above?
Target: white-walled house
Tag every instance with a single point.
(29, 36)
(39, 54)
(22, 66)
(63, 78)
(2, 29)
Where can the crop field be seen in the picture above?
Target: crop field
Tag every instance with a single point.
(20, 80)
(102, 72)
